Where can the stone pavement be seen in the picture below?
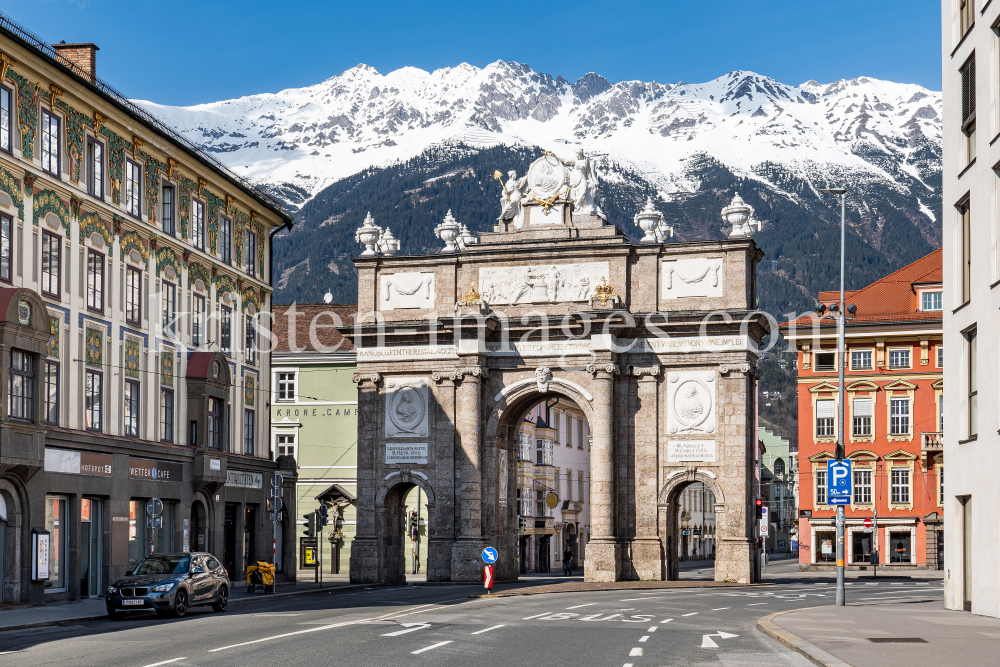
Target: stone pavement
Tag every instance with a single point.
(904, 633)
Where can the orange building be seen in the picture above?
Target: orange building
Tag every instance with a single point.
(893, 422)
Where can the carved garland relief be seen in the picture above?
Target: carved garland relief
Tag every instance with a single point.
(702, 277)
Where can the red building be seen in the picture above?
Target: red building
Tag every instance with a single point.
(893, 421)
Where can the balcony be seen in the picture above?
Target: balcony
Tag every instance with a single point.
(931, 442)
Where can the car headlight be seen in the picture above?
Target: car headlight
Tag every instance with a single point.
(162, 588)
(112, 590)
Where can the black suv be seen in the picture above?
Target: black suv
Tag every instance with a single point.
(170, 584)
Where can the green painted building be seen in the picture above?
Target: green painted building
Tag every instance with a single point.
(779, 470)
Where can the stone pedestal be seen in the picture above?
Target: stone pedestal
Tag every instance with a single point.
(647, 559)
(603, 560)
(734, 560)
(467, 560)
(364, 561)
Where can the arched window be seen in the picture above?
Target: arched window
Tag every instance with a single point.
(779, 467)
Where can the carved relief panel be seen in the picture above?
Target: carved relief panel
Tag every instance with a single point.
(699, 277)
(541, 283)
(691, 402)
(406, 407)
(406, 290)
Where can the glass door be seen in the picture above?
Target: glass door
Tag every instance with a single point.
(91, 540)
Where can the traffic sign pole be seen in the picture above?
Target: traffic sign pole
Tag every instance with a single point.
(488, 579)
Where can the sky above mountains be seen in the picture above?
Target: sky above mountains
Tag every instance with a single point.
(186, 52)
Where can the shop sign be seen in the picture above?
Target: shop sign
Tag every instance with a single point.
(40, 555)
(215, 464)
(160, 471)
(411, 452)
(77, 463)
(244, 480)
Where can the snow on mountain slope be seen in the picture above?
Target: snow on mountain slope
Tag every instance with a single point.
(859, 131)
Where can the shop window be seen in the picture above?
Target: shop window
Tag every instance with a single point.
(56, 522)
(899, 547)
(144, 539)
(825, 550)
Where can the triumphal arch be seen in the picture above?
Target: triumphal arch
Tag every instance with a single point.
(656, 342)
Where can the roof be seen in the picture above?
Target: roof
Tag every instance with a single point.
(325, 316)
(336, 494)
(198, 365)
(892, 299)
(29, 40)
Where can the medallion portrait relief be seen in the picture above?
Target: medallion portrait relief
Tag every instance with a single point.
(406, 408)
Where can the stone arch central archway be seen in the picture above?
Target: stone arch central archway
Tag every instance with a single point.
(668, 506)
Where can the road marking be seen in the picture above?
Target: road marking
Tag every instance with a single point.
(627, 664)
(635, 651)
(706, 640)
(719, 609)
(428, 648)
(693, 613)
(755, 604)
(666, 621)
(165, 662)
(634, 599)
(652, 629)
(643, 638)
(410, 627)
(536, 616)
(275, 613)
(589, 604)
(479, 632)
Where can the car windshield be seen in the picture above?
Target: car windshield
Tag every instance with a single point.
(163, 565)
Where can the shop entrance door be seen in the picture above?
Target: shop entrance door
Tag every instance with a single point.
(544, 553)
(91, 535)
(249, 536)
(229, 541)
(940, 549)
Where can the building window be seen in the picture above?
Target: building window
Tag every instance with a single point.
(167, 415)
(249, 431)
(286, 445)
(824, 418)
(95, 281)
(940, 419)
(579, 485)
(198, 320)
(524, 448)
(862, 417)
(214, 423)
(52, 392)
(286, 386)
(821, 487)
(133, 191)
(250, 349)
(940, 485)
(826, 361)
(899, 545)
(5, 119)
(899, 416)
(6, 231)
(22, 386)
(50, 143)
(95, 168)
(900, 486)
(862, 486)
(972, 385)
(966, 16)
(968, 72)
(543, 452)
(93, 394)
(198, 224)
(169, 308)
(167, 210)
(861, 360)
(226, 330)
(51, 251)
(966, 249)
(133, 295)
(132, 408)
(899, 358)
(930, 301)
(250, 257)
(226, 239)
(940, 356)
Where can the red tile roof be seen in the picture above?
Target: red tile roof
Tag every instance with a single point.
(889, 299)
(324, 315)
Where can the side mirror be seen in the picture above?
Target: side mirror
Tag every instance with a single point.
(128, 573)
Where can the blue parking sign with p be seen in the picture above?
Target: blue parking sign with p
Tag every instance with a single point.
(489, 555)
(838, 482)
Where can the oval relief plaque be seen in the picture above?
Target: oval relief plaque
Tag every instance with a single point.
(24, 312)
(170, 273)
(199, 285)
(97, 240)
(52, 220)
(5, 200)
(135, 257)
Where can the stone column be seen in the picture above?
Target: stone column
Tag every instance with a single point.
(647, 549)
(466, 563)
(364, 548)
(602, 559)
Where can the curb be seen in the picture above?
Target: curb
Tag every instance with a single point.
(815, 654)
(597, 588)
(272, 596)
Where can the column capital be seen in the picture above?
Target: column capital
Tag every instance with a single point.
(458, 374)
(610, 369)
(361, 378)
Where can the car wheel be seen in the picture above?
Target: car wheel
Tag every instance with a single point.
(222, 603)
(180, 604)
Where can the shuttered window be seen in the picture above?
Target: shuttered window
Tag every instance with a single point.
(824, 418)
(968, 72)
(862, 417)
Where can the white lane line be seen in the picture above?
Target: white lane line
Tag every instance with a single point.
(756, 604)
(719, 609)
(666, 621)
(643, 638)
(479, 632)
(634, 599)
(627, 664)
(428, 648)
(589, 604)
(635, 651)
(652, 629)
(165, 662)
(693, 613)
(537, 615)
(409, 627)
(275, 613)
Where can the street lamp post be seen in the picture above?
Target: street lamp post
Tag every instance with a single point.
(841, 315)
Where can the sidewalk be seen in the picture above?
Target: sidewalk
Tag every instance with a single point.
(904, 633)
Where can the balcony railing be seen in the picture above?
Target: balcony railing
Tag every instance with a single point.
(931, 441)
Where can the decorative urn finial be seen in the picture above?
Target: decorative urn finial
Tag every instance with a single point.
(368, 235)
(648, 220)
(388, 244)
(740, 216)
(448, 231)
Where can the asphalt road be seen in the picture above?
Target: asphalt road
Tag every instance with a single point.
(442, 625)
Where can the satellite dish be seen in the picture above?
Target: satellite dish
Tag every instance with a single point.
(328, 298)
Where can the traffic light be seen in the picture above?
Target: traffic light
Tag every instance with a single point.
(520, 524)
(322, 514)
(310, 524)
(759, 504)
(414, 524)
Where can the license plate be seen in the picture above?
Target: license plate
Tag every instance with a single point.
(132, 602)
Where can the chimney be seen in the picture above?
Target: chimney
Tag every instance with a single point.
(80, 57)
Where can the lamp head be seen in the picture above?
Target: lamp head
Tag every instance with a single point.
(820, 308)
(834, 307)
(833, 191)
(852, 309)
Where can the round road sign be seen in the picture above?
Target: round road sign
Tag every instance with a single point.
(868, 522)
(154, 506)
(489, 555)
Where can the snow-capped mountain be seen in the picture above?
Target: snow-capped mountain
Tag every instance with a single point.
(861, 132)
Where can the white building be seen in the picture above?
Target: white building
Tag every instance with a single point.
(971, 305)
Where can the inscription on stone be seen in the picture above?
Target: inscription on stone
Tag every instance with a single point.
(406, 290)
(540, 283)
(410, 452)
(702, 277)
(702, 451)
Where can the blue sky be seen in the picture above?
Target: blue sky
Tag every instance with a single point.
(184, 52)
